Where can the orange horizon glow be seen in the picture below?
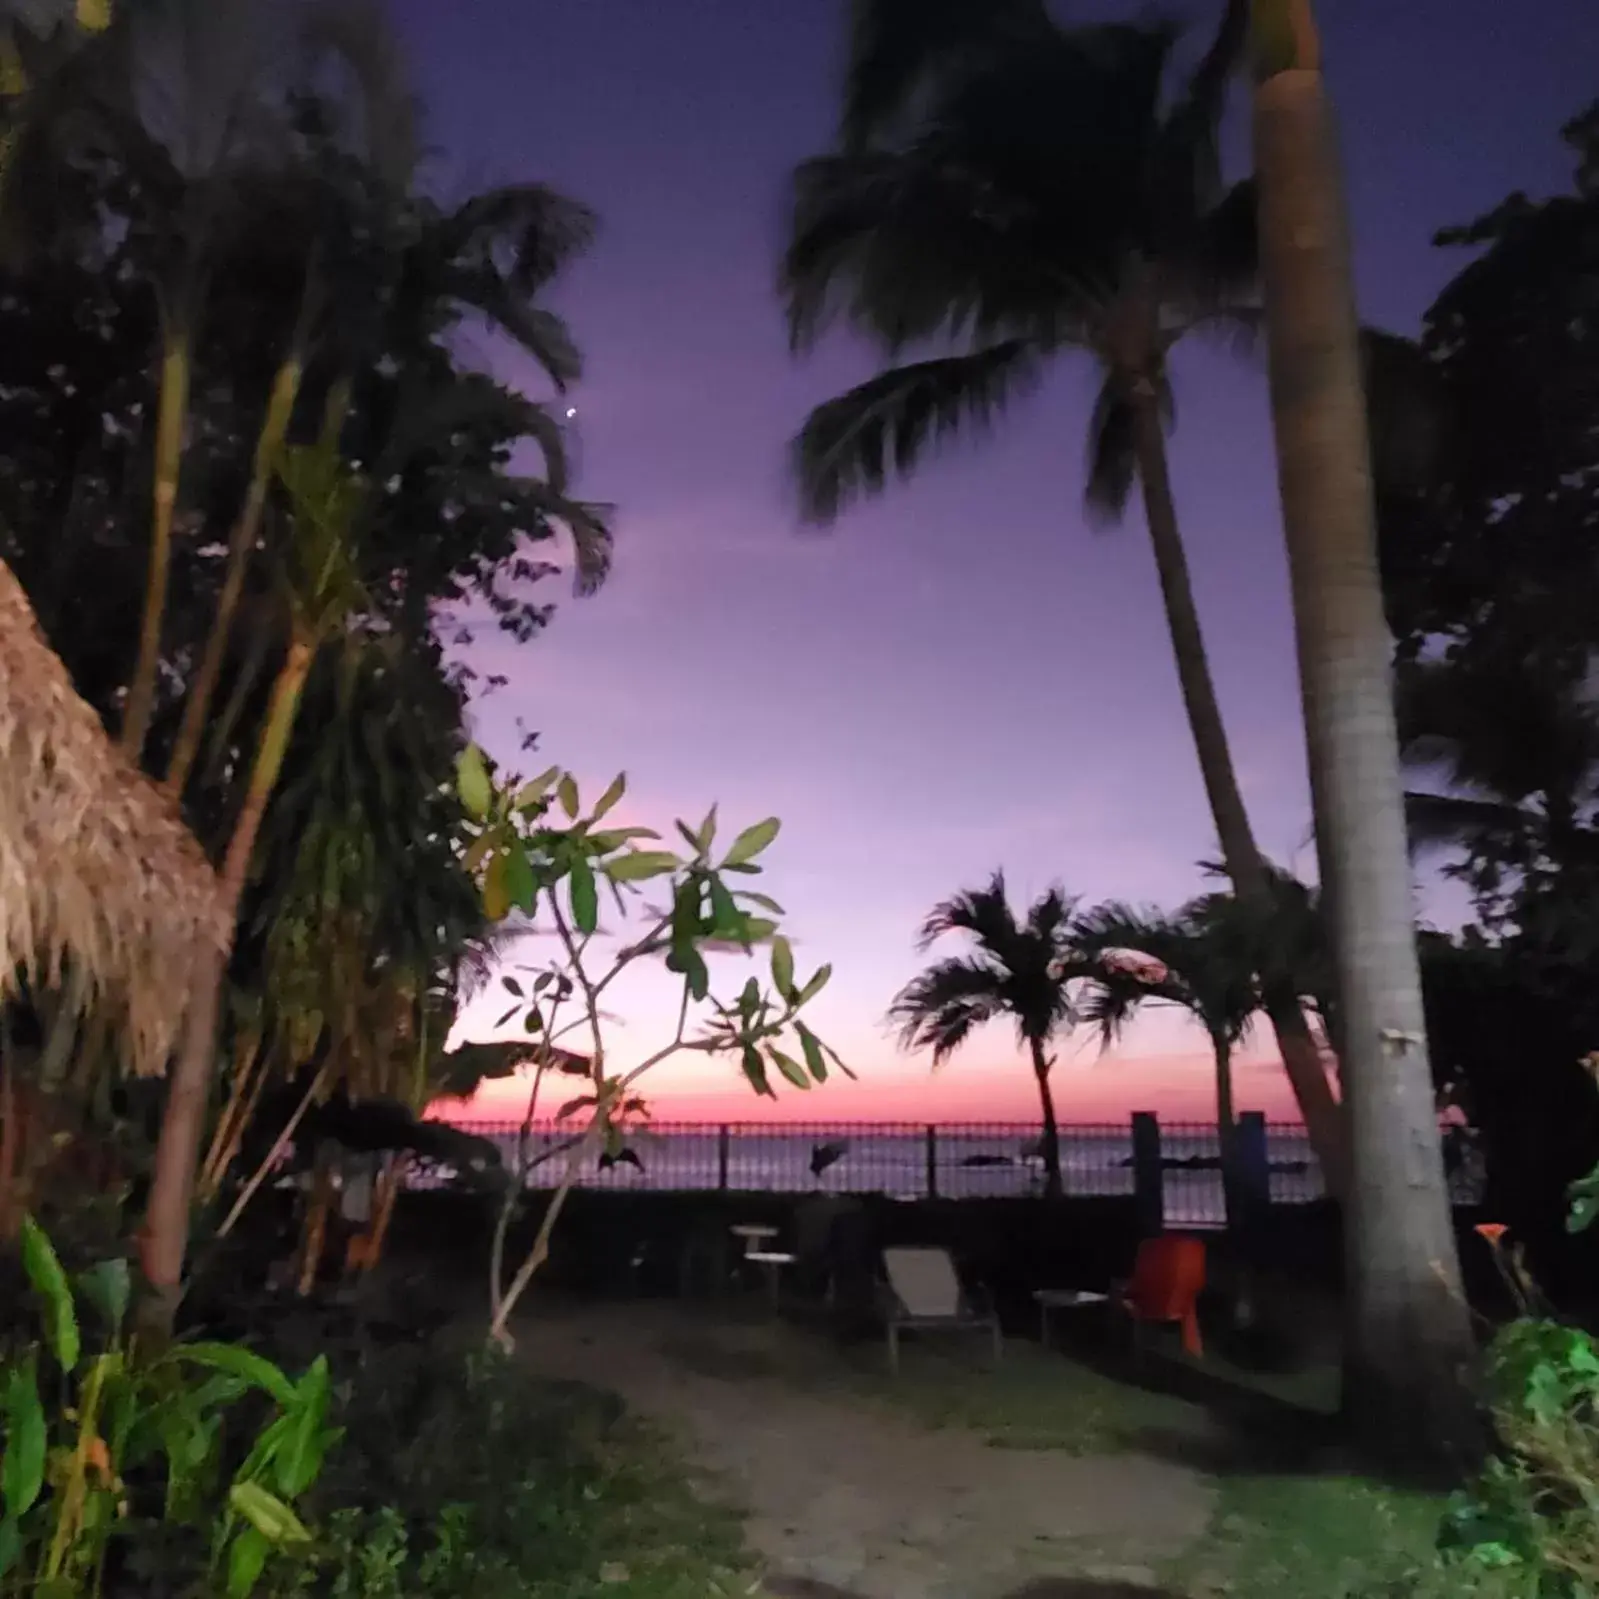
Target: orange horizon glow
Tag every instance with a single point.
(1087, 1091)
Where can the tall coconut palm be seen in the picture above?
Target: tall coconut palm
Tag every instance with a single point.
(1011, 192)
(1024, 971)
(1207, 955)
(1411, 1342)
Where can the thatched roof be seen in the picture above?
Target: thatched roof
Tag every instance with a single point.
(96, 866)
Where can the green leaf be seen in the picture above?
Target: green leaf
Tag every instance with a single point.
(268, 1514)
(814, 987)
(237, 1361)
(107, 1288)
(749, 998)
(49, 1281)
(727, 920)
(765, 901)
(531, 795)
(246, 1561)
(638, 865)
(706, 836)
(521, 886)
(755, 1070)
(812, 1048)
(752, 841)
(566, 793)
(585, 897)
(608, 800)
(783, 966)
(757, 928)
(609, 838)
(496, 890)
(690, 837)
(472, 782)
(10, 1544)
(22, 1465)
(788, 1066)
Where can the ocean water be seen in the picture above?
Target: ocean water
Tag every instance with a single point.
(901, 1162)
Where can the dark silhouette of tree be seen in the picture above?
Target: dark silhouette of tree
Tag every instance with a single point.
(1022, 971)
(1007, 192)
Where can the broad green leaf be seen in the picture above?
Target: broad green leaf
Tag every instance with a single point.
(237, 1361)
(749, 998)
(10, 1544)
(107, 1288)
(706, 836)
(765, 901)
(246, 1561)
(727, 920)
(49, 1281)
(268, 1514)
(472, 782)
(566, 793)
(812, 1049)
(814, 987)
(752, 841)
(585, 897)
(690, 964)
(521, 886)
(531, 795)
(638, 865)
(511, 986)
(496, 890)
(758, 928)
(788, 1066)
(533, 1022)
(755, 1070)
(22, 1465)
(609, 838)
(608, 800)
(783, 966)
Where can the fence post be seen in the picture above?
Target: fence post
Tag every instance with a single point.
(1251, 1169)
(723, 1141)
(1149, 1174)
(932, 1162)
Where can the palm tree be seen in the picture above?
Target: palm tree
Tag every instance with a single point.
(1410, 1335)
(1011, 191)
(1022, 970)
(1209, 971)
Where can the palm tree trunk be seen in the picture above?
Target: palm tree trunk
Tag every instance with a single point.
(1051, 1140)
(1324, 1122)
(1410, 1344)
(165, 1237)
(1226, 1125)
(172, 410)
(241, 543)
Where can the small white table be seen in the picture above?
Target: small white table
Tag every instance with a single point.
(753, 1235)
(772, 1262)
(1051, 1301)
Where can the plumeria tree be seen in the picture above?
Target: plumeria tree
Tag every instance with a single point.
(545, 859)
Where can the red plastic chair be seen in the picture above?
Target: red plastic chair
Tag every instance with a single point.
(1168, 1277)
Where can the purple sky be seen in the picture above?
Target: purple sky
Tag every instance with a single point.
(963, 675)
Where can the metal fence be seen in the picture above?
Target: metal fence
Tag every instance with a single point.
(960, 1160)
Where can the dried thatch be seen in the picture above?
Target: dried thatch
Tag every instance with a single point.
(95, 864)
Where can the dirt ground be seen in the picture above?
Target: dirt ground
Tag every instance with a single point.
(852, 1497)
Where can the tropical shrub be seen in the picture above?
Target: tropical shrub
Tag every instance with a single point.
(539, 853)
(118, 1467)
(462, 1473)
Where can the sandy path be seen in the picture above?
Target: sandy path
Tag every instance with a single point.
(851, 1494)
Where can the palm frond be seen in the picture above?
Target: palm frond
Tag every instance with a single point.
(360, 37)
(899, 48)
(939, 1008)
(913, 244)
(1439, 821)
(1191, 136)
(1112, 462)
(1213, 267)
(984, 913)
(849, 445)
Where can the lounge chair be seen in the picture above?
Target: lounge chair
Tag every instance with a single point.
(927, 1297)
(1168, 1277)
